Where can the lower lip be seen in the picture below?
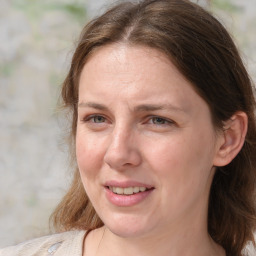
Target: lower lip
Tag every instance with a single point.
(127, 200)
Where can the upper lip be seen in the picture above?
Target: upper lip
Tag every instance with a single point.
(126, 184)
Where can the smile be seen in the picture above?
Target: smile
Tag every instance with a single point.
(128, 190)
(127, 195)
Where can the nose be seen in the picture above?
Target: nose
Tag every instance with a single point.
(123, 151)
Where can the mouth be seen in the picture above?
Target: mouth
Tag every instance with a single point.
(128, 190)
(127, 193)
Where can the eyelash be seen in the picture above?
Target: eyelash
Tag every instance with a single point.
(92, 117)
(164, 120)
(150, 119)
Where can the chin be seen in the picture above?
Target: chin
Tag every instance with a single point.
(127, 226)
(125, 232)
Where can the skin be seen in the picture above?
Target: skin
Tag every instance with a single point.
(173, 148)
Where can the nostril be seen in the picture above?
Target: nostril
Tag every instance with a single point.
(118, 158)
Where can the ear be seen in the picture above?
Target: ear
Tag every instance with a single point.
(231, 140)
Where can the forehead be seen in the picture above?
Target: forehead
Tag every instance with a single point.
(129, 64)
(127, 58)
(136, 74)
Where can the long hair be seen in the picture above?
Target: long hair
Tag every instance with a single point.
(203, 51)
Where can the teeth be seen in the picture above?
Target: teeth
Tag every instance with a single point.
(136, 190)
(119, 191)
(127, 191)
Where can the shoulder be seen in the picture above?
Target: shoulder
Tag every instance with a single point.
(65, 244)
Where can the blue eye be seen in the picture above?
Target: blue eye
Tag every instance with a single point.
(160, 121)
(98, 119)
(95, 119)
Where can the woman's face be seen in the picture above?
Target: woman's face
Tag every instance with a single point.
(145, 142)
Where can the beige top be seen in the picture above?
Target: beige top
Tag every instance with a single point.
(62, 244)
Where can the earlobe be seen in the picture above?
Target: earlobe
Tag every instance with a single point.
(232, 139)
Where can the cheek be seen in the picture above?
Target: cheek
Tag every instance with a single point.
(89, 154)
(168, 163)
(182, 163)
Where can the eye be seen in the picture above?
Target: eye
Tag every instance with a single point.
(98, 119)
(95, 119)
(160, 121)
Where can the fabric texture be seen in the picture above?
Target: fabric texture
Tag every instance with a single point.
(62, 244)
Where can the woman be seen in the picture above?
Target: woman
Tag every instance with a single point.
(163, 136)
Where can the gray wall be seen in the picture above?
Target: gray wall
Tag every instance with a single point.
(36, 43)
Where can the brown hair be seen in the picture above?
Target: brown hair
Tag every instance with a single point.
(204, 53)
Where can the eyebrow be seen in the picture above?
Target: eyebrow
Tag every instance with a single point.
(92, 105)
(155, 107)
(139, 108)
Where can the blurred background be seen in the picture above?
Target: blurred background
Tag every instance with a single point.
(37, 38)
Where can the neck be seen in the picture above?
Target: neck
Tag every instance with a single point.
(187, 235)
(192, 240)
